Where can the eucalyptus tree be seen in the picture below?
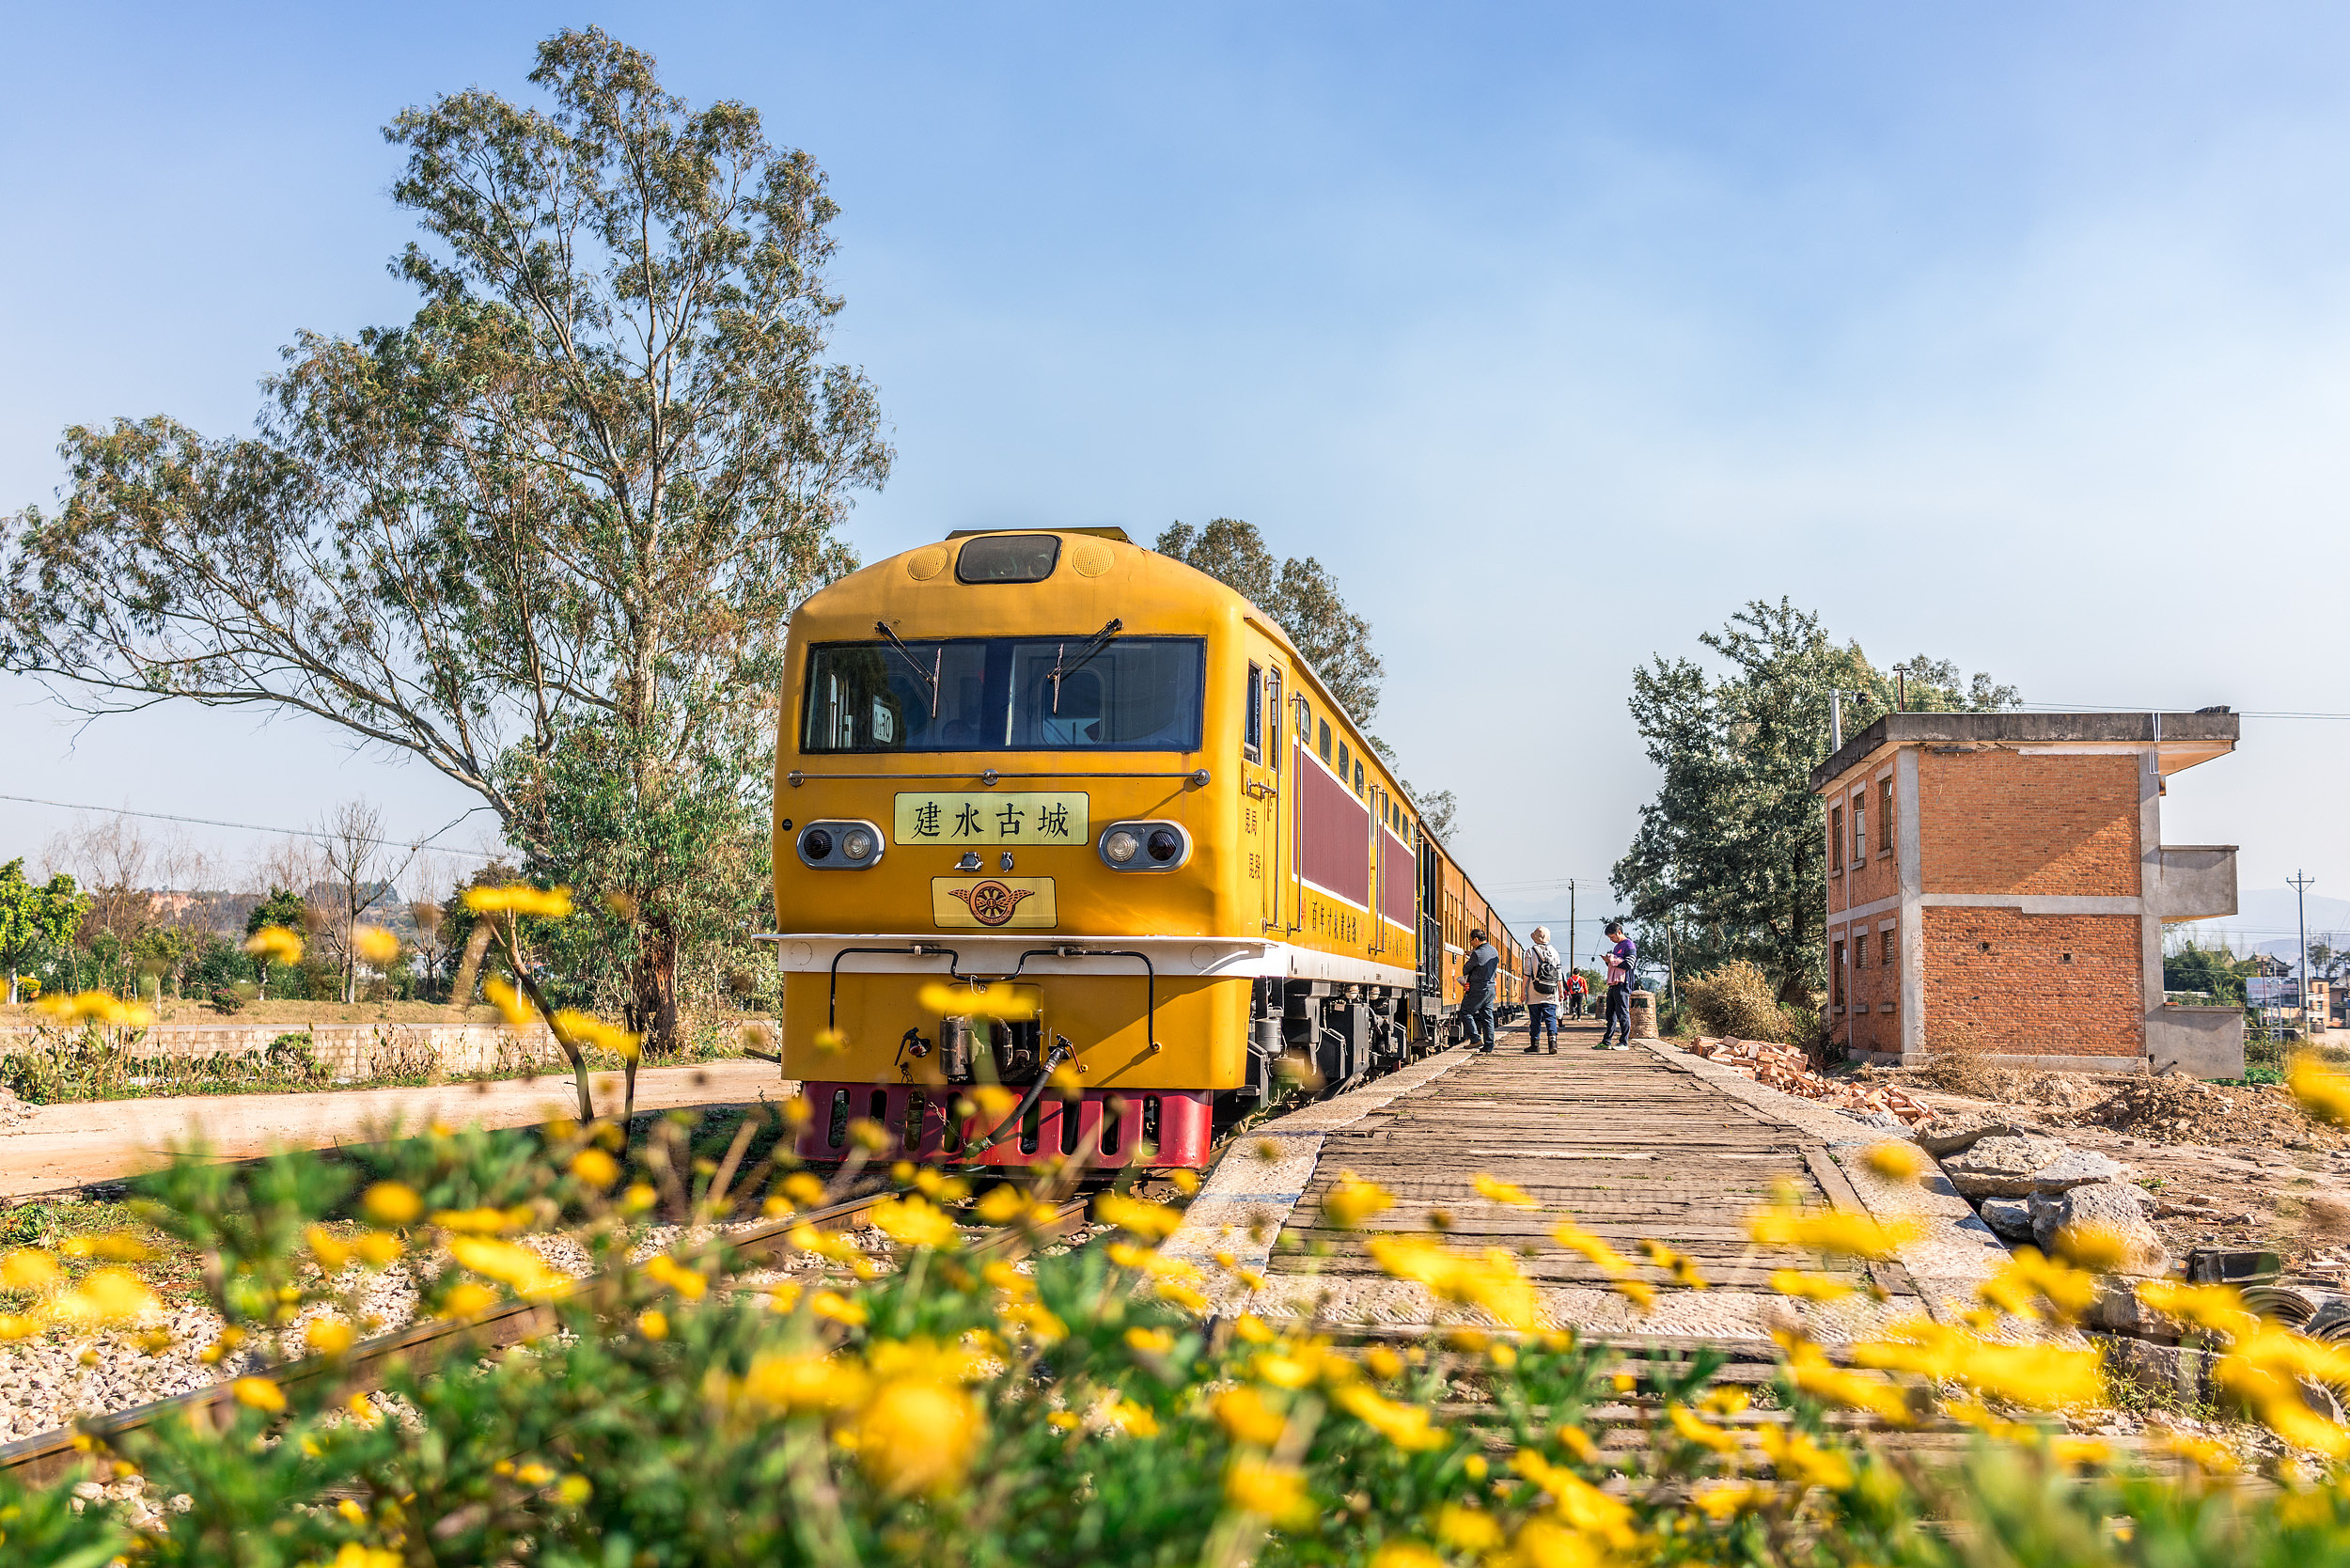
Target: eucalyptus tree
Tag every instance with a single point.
(547, 533)
(1731, 853)
(35, 918)
(1302, 595)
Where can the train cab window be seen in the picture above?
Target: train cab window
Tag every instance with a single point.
(1253, 726)
(1008, 558)
(1006, 693)
(1325, 747)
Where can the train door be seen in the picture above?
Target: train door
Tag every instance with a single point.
(1378, 864)
(1295, 815)
(1261, 788)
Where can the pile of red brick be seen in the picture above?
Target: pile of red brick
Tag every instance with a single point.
(1786, 1069)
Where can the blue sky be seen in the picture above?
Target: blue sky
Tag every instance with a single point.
(2014, 335)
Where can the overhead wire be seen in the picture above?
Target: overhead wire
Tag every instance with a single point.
(321, 834)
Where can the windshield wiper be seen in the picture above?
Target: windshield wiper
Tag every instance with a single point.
(929, 675)
(1063, 669)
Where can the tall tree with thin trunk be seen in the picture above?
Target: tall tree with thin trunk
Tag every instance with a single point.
(546, 536)
(1731, 851)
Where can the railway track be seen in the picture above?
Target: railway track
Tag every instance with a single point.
(49, 1456)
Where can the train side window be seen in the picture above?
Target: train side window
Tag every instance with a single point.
(1358, 776)
(1252, 732)
(1325, 747)
(1341, 761)
(1305, 722)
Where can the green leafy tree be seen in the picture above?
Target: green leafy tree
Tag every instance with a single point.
(2215, 972)
(1731, 849)
(1301, 595)
(283, 907)
(34, 917)
(573, 501)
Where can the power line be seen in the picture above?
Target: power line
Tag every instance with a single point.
(2159, 707)
(288, 832)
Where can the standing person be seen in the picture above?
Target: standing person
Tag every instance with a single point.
(1619, 990)
(1577, 988)
(1544, 986)
(1479, 970)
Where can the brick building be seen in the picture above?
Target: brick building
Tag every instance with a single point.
(1997, 882)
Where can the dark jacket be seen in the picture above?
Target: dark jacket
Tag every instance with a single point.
(1477, 975)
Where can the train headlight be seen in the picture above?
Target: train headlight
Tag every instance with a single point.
(839, 846)
(1145, 846)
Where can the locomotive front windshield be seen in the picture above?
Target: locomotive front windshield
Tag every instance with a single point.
(1006, 693)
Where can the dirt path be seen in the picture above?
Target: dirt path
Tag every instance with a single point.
(75, 1145)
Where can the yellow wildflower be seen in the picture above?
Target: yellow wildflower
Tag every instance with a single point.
(654, 1324)
(804, 1188)
(1799, 1459)
(1725, 1500)
(595, 1168)
(19, 1325)
(1809, 1287)
(1493, 1190)
(328, 1335)
(1639, 1292)
(1012, 1004)
(917, 1435)
(2324, 1096)
(1467, 1530)
(1405, 1425)
(825, 1244)
(573, 1490)
(1545, 1544)
(1680, 1266)
(914, 1221)
(1350, 1200)
(2094, 1247)
(550, 903)
(665, 1270)
(276, 944)
(1830, 1232)
(2212, 1458)
(838, 1308)
(1247, 1419)
(1895, 1161)
(510, 1264)
(105, 1295)
(1567, 1234)
(1134, 1419)
(2068, 1290)
(374, 943)
(1151, 1221)
(259, 1393)
(115, 1247)
(1150, 1341)
(1274, 1492)
(469, 1299)
(1493, 1281)
(1186, 1181)
(804, 1382)
(1405, 1554)
(30, 1269)
(1692, 1429)
(483, 1221)
(392, 1204)
(2079, 1450)
(1385, 1364)
(511, 1003)
(331, 1250)
(2217, 1308)
(1813, 1373)
(1001, 1206)
(586, 1029)
(1580, 1503)
(378, 1249)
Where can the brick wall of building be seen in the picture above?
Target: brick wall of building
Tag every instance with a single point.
(1996, 979)
(1873, 986)
(1873, 873)
(1997, 822)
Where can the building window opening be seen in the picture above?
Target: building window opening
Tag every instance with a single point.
(1884, 815)
(1859, 829)
(1836, 838)
(1886, 957)
(1836, 975)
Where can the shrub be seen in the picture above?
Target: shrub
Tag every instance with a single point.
(1739, 1000)
(1080, 1408)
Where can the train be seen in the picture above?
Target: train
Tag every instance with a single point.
(1078, 859)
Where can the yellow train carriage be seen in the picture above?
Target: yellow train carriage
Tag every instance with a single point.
(1057, 813)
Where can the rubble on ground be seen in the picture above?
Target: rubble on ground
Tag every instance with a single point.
(13, 1111)
(1786, 1069)
(2187, 1110)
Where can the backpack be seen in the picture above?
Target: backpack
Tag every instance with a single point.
(1546, 975)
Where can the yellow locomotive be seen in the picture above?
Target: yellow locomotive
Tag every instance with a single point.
(1061, 815)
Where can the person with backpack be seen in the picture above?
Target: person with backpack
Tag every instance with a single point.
(1480, 970)
(1619, 959)
(1577, 988)
(1544, 987)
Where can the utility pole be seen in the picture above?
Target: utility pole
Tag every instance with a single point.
(1570, 926)
(2300, 883)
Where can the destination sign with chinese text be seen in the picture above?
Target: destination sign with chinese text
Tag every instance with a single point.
(1014, 817)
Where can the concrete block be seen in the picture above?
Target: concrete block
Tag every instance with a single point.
(2200, 1042)
(2000, 1167)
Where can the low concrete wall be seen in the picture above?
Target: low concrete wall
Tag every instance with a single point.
(2205, 1042)
(348, 1051)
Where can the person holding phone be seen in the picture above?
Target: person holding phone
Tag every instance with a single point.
(1619, 959)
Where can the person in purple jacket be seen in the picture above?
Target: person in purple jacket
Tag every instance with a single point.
(1619, 959)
